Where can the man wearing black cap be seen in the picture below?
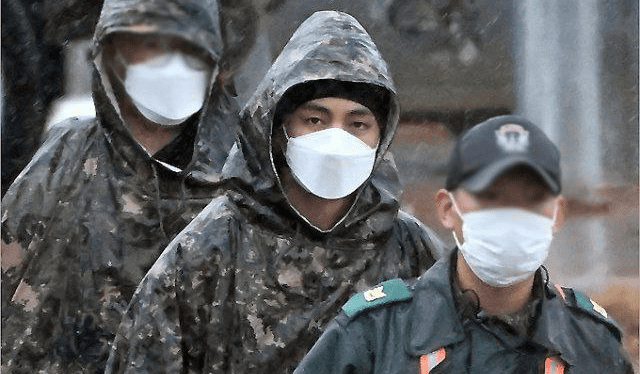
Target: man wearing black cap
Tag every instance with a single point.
(489, 308)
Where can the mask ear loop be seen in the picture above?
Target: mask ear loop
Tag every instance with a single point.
(455, 207)
(455, 238)
(284, 130)
(555, 212)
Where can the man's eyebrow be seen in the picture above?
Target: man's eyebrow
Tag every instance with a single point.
(363, 110)
(315, 106)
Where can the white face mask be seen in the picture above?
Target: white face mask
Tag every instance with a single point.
(504, 246)
(330, 163)
(166, 89)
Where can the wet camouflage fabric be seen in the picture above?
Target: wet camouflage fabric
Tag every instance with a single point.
(92, 211)
(249, 285)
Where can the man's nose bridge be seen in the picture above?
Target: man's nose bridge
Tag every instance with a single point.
(338, 122)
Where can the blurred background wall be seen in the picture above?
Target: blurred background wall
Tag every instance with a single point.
(570, 66)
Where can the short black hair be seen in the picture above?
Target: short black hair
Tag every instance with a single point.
(375, 98)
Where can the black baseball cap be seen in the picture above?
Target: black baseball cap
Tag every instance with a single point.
(489, 149)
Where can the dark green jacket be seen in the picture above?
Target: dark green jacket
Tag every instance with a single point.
(90, 214)
(250, 284)
(410, 324)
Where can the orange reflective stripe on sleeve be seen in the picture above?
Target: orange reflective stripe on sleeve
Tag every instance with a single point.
(553, 366)
(431, 360)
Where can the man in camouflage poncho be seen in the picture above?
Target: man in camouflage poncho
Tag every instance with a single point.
(103, 196)
(251, 283)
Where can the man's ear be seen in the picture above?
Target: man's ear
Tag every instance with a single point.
(444, 208)
(561, 213)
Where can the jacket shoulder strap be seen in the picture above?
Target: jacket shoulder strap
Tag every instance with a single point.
(580, 301)
(385, 293)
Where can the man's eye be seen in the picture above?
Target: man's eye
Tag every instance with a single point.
(360, 125)
(314, 120)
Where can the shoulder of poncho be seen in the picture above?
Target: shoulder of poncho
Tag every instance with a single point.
(221, 207)
(407, 219)
(77, 129)
(57, 162)
(65, 139)
(416, 227)
(216, 220)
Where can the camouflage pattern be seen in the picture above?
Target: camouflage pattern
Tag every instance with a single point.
(92, 211)
(250, 284)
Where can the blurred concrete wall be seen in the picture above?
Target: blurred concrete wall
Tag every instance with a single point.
(577, 75)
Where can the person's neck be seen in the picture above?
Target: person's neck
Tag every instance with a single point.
(322, 213)
(152, 136)
(494, 300)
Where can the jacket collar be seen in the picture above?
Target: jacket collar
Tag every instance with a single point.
(437, 324)
(551, 329)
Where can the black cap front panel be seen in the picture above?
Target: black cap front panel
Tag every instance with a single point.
(491, 148)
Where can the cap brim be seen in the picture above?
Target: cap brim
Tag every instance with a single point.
(483, 179)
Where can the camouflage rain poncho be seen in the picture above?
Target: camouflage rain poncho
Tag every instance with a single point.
(92, 211)
(249, 285)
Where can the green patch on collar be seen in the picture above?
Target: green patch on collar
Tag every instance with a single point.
(583, 301)
(585, 304)
(385, 293)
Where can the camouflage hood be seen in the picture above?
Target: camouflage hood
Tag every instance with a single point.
(328, 45)
(195, 21)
